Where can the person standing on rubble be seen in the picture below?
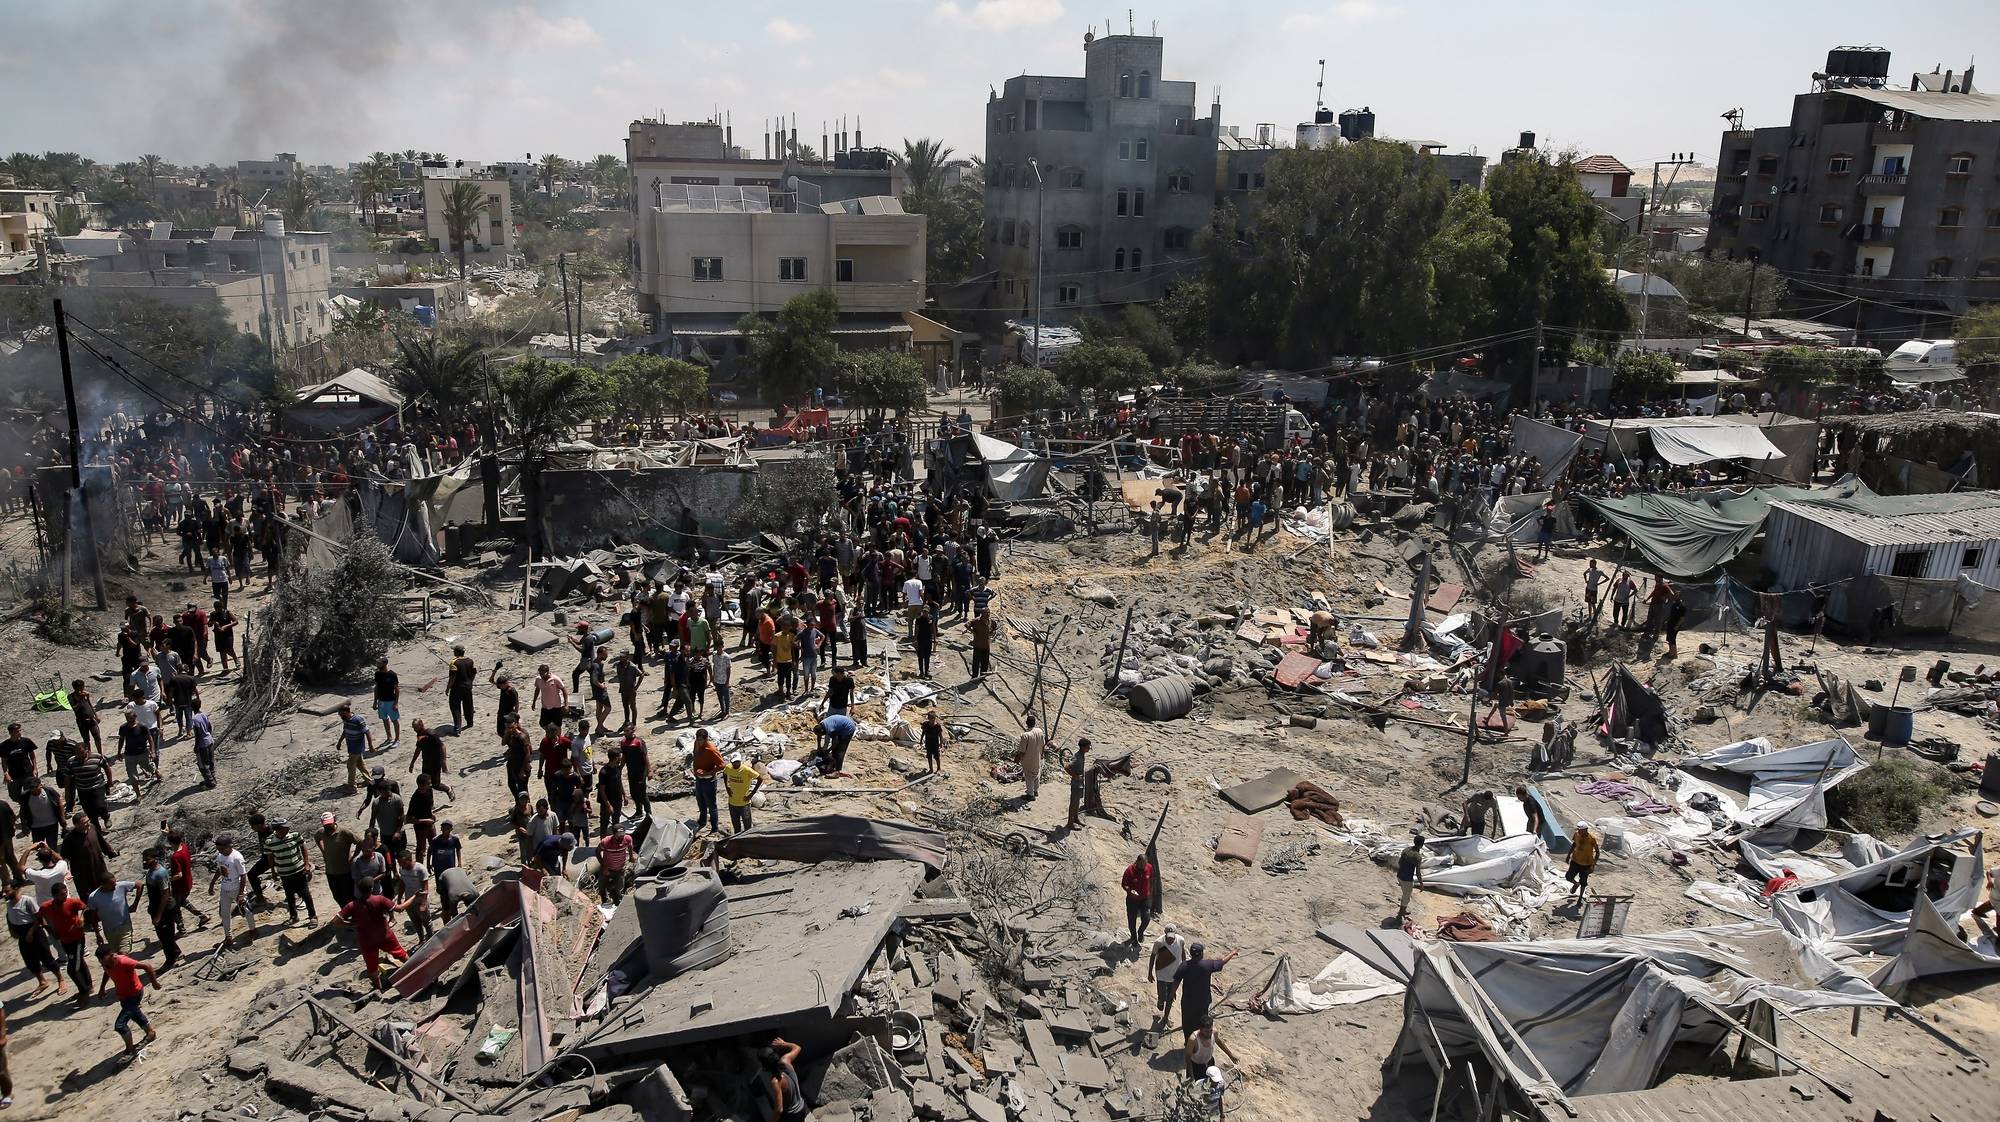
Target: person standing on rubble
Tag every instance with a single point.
(1198, 988)
(1163, 969)
(1409, 874)
(743, 781)
(707, 766)
(1138, 885)
(1028, 753)
(1675, 614)
(1623, 589)
(720, 671)
(1582, 859)
(781, 1080)
(933, 738)
(1771, 662)
(369, 915)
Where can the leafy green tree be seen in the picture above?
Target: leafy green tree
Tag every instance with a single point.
(1554, 274)
(1184, 311)
(954, 225)
(1979, 341)
(442, 380)
(464, 207)
(607, 173)
(1024, 388)
(1103, 367)
(793, 351)
(1468, 251)
(1719, 287)
(883, 380)
(1140, 326)
(1636, 375)
(645, 385)
(301, 199)
(1249, 293)
(1200, 379)
(925, 162)
(544, 402)
(1794, 366)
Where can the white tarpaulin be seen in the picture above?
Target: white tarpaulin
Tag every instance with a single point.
(1787, 786)
(1701, 444)
(1551, 446)
(1012, 473)
(1572, 1017)
(1345, 981)
(1521, 516)
(1933, 946)
(1869, 910)
(1469, 866)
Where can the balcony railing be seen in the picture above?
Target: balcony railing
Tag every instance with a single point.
(1875, 234)
(1884, 184)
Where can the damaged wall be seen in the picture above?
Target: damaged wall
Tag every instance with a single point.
(594, 508)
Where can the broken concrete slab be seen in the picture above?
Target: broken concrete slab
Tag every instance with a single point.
(853, 1072)
(531, 639)
(1042, 1046)
(659, 1097)
(984, 1109)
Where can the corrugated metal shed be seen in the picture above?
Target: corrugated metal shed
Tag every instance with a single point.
(1907, 519)
(1948, 1094)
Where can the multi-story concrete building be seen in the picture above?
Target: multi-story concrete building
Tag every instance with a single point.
(1888, 198)
(259, 176)
(1104, 180)
(267, 282)
(495, 230)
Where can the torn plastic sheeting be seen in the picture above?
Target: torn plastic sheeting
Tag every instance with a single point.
(1707, 442)
(1838, 915)
(904, 693)
(1469, 866)
(1931, 946)
(840, 837)
(1012, 473)
(1788, 785)
(1346, 980)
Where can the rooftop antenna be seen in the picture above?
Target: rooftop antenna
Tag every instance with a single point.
(1319, 90)
(1130, 28)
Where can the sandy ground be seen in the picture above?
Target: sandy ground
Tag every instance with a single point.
(1327, 1065)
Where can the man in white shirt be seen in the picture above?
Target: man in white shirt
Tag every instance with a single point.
(226, 881)
(1028, 751)
(913, 600)
(45, 876)
(1163, 967)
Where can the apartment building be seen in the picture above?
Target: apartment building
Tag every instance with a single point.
(258, 176)
(494, 233)
(1102, 180)
(1888, 198)
(267, 282)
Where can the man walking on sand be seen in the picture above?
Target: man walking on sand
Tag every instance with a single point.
(1028, 753)
(123, 972)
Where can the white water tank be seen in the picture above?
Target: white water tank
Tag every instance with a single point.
(274, 224)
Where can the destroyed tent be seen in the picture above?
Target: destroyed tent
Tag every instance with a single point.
(1630, 708)
(1552, 447)
(1869, 910)
(1520, 517)
(1472, 865)
(1687, 535)
(1933, 946)
(1577, 1017)
(1770, 446)
(1012, 473)
(355, 400)
(1788, 786)
(846, 837)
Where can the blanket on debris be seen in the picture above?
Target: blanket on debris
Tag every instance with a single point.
(1307, 799)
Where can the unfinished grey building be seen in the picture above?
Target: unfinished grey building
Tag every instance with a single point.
(1126, 181)
(1886, 197)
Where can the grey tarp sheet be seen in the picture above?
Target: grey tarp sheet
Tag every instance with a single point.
(1868, 911)
(1552, 447)
(1933, 946)
(1012, 473)
(1688, 535)
(848, 837)
(1701, 444)
(1788, 786)
(1589, 1011)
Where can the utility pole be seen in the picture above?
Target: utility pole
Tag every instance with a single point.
(76, 467)
(569, 324)
(1041, 234)
(1750, 296)
(1535, 382)
(1679, 161)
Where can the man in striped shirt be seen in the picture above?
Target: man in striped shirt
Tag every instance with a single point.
(289, 860)
(982, 597)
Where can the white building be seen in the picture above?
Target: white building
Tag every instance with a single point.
(495, 230)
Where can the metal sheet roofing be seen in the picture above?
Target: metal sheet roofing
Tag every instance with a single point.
(1935, 106)
(1906, 519)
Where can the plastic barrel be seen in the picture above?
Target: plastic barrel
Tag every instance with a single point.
(1162, 699)
(1901, 725)
(1878, 720)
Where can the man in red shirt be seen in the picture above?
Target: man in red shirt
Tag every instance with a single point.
(370, 917)
(63, 915)
(180, 867)
(1138, 885)
(614, 859)
(123, 972)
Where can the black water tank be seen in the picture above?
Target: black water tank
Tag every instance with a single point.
(1527, 140)
(1322, 116)
(1857, 62)
(1357, 124)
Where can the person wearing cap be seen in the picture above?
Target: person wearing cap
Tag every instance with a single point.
(552, 853)
(226, 882)
(336, 845)
(1163, 968)
(1197, 987)
(1409, 872)
(743, 781)
(1582, 858)
(289, 860)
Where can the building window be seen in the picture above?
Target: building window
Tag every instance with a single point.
(1242, 181)
(1067, 294)
(1069, 237)
(1909, 563)
(1829, 213)
(1124, 202)
(1007, 232)
(1124, 149)
(1139, 203)
(1951, 217)
(1125, 84)
(1070, 179)
(1867, 266)
(1145, 83)
(1939, 267)
(1138, 258)
(707, 269)
(1767, 165)
(1029, 124)
(1012, 121)
(992, 232)
(1027, 233)
(1118, 260)
(315, 256)
(1990, 267)
(791, 268)
(1177, 237)
(843, 270)
(1960, 164)
(1009, 285)
(1006, 175)
(1839, 165)
(1139, 148)
(1895, 165)
(1822, 261)
(1972, 558)
(1180, 182)
(1758, 212)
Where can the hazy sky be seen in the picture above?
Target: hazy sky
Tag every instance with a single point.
(219, 80)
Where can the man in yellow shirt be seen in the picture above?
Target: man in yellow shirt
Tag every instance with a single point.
(1582, 858)
(743, 782)
(784, 652)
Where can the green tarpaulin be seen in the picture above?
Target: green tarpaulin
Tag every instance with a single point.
(1686, 535)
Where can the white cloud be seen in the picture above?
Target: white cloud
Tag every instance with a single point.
(999, 15)
(900, 79)
(539, 31)
(785, 31)
(1346, 12)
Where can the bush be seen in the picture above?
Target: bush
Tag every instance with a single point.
(350, 613)
(1889, 798)
(1024, 389)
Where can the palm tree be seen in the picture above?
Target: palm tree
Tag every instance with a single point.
(302, 197)
(151, 166)
(440, 380)
(553, 167)
(608, 172)
(543, 401)
(464, 207)
(924, 163)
